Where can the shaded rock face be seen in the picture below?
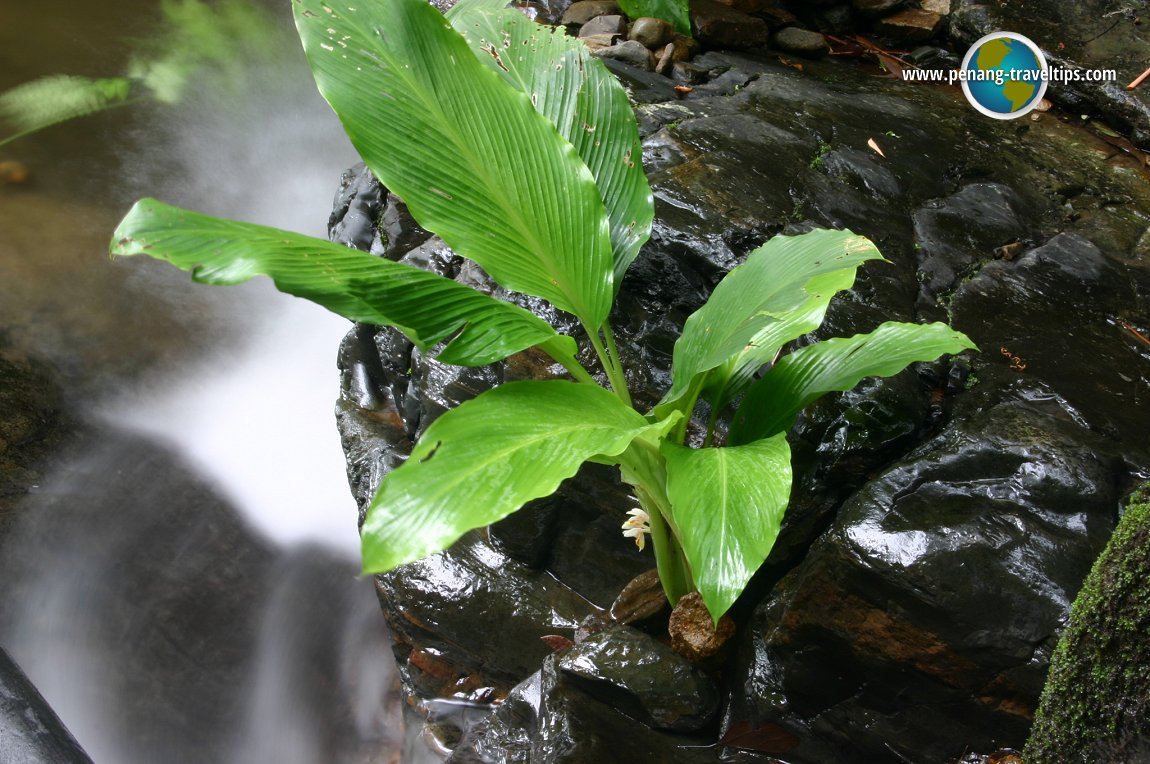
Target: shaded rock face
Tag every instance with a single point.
(941, 520)
(32, 427)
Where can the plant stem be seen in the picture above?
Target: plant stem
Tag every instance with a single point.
(613, 349)
(712, 420)
(644, 469)
(686, 405)
(610, 365)
(573, 367)
(673, 571)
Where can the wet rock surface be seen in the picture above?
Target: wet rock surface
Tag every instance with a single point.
(633, 671)
(721, 26)
(550, 718)
(941, 583)
(33, 426)
(1077, 36)
(431, 608)
(942, 520)
(33, 734)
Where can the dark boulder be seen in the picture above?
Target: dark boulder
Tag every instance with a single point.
(802, 42)
(1056, 312)
(950, 248)
(1094, 705)
(921, 622)
(431, 606)
(652, 683)
(941, 520)
(721, 26)
(550, 718)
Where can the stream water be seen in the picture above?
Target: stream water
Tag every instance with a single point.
(184, 588)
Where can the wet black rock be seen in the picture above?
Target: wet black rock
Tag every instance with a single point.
(431, 606)
(836, 445)
(367, 216)
(32, 733)
(920, 624)
(1056, 312)
(551, 719)
(941, 519)
(949, 247)
(632, 671)
(562, 531)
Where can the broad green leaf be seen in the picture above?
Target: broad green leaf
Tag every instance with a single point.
(426, 307)
(674, 11)
(483, 460)
(800, 378)
(730, 380)
(584, 101)
(471, 157)
(50, 100)
(781, 292)
(727, 504)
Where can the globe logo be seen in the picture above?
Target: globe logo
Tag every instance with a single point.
(1004, 75)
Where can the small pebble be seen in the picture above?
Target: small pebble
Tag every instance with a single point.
(604, 25)
(653, 33)
(630, 52)
(802, 42)
(12, 172)
(585, 10)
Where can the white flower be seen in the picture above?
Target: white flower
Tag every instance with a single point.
(637, 527)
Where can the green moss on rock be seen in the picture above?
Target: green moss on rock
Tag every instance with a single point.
(1095, 706)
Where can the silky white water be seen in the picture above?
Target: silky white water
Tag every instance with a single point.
(159, 627)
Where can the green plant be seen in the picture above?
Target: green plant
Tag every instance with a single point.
(521, 151)
(193, 37)
(820, 155)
